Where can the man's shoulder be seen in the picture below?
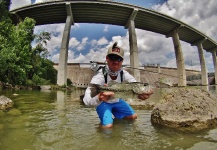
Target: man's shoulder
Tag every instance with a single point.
(98, 78)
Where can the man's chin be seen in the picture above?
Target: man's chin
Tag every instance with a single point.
(114, 70)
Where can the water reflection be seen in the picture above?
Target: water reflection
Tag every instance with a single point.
(59, 120)
(213, 89)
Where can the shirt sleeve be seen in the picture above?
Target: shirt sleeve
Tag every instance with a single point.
(98, 78)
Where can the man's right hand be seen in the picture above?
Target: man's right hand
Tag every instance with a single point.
(105, 96)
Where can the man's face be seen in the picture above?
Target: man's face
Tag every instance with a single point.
(114, 62)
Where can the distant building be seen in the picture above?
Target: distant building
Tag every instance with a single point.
(81, 74)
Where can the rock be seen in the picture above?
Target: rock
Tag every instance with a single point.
(45, 87)
(188, 109)
(5, 103)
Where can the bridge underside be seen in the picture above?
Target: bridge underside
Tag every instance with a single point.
(108, 12)
(121, 14)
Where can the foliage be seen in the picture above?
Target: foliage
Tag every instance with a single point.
(69, 82)
(211, 74)
(20, 63)
(194, 77)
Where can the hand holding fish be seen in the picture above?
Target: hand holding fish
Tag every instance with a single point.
(105, 96)
(145, 95)
(121, 90)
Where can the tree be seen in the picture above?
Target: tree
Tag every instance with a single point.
(19, 62)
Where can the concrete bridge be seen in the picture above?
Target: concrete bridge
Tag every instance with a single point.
(126, 15)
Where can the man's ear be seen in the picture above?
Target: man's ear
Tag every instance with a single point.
(107, 58)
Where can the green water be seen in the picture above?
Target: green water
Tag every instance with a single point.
(56, 120)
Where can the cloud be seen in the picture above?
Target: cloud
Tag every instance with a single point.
(17, 3)
(102, 41)
(106, 28)
(55, 58)
(83, 43)
(54, 44)
(73, 42)
(201, 15)
(56, 36)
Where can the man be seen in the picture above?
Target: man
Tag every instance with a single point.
(117, 107)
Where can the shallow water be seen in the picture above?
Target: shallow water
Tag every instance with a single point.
(45, 120)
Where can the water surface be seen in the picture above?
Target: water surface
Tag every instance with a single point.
(53, 120)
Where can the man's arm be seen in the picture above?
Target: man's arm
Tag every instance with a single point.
(90, 101)
(98, 79)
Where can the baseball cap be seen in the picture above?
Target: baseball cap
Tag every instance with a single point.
(116, 50)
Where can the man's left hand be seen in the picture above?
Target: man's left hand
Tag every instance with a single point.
(145, 95)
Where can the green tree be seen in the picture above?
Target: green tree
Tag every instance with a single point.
(20, 63)
(7, 56)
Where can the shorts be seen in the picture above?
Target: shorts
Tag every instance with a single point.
(119, 110)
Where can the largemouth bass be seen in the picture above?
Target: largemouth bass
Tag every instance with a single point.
(121, 90)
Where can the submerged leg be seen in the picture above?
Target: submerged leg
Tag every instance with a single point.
(104, 111)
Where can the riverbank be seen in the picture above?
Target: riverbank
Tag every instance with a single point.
(35, 87)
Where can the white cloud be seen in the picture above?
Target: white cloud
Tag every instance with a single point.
(98, 55)
(106, 28)
(55, 58)
(56, 31)
(17, 3)
(102, 41)
(198, 14)
(81, 46)
(73, 42)
(38, 1)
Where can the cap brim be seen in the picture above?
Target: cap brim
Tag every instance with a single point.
(116, 54)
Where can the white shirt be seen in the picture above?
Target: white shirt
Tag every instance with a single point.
(99, 79)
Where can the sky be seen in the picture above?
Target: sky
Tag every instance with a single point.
(89, 42)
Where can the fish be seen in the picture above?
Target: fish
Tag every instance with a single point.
(121, 90)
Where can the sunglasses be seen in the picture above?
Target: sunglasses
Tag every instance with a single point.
(115, 57)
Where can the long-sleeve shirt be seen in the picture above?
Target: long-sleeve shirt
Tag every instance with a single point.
(99, 79)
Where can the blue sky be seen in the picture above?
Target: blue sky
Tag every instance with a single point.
(90, 41)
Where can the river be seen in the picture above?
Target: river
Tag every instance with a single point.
(58, 120)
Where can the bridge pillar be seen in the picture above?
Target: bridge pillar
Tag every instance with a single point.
(179, 59)
(215, 64)
(203, 64)
(62, 68)
(134, 56)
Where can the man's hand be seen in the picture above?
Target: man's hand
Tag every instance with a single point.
(105, 96)
(145, 95)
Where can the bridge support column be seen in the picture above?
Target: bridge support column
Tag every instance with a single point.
(202, 64)
(179, 59)
(62, 68)
(134, 56)
(214, 64)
